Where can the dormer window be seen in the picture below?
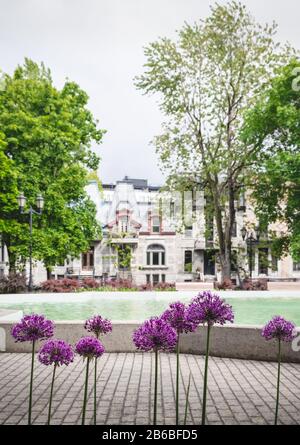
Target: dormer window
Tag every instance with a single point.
(155, 224)
(124, 224)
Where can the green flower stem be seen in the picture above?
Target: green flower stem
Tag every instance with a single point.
(31, 383)
(95, 392)
(205, 375)
(278, 382)
(177, 380)
(85, 390)
(187, 400)
(155, 387)
(51, 394)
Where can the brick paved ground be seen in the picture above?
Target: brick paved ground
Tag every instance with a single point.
(240, 392)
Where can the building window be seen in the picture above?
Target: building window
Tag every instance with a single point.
(296, 267)
(156, 255)
(233, 261)
(242, 202)
(155, 224)
(209, 262)
(188, 261)
(209, 230)
(263, 263)
(87, 259)
(251, 262)
(123, 224)
(155, 279)
(172, 209)
(274, 263)
(188, 231)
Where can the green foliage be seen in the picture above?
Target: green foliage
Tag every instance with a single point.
(93, 176)
(188, 268)
(124, 254)
(46, 148)
(274, 125)
(205, 81)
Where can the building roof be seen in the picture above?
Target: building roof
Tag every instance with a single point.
(138, 184)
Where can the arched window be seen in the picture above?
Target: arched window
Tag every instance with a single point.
(156, 255)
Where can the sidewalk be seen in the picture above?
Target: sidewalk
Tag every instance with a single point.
(240, 391)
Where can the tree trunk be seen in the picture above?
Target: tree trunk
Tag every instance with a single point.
(228, 228)
(49, 273)
(224, 230)
(224, 258)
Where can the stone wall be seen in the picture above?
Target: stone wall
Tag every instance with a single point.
(242, 342)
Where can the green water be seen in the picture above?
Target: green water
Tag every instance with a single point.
(253, 311)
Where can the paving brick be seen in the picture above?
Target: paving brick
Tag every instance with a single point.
(240, 391)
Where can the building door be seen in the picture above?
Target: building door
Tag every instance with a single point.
(209, 263)
(263, 261)
(88, 259)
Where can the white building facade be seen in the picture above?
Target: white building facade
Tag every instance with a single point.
(154, 237)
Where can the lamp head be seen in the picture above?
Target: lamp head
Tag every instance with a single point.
(21, 201)
(40, 202)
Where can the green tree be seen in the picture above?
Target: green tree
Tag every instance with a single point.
(8, 202)
(47, 136)
(205, 81)
(273, 124)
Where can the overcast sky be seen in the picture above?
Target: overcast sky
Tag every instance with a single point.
(99, 44)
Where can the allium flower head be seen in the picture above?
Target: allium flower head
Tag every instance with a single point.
(56, 352)
(280, 329)
(176, 316)
(210, 308)
(32, 327)
(89, 347)
(155, 333)
(98, 325)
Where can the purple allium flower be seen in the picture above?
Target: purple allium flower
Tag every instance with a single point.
(176, 316)
(89, 347)
(155, 333)
(209, 308)
(280, 329)
(56, 351)
(32, 327)
(98, 325)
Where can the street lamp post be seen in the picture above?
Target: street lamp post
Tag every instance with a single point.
(30, 212)
(251, 240)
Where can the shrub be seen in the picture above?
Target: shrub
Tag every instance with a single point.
(63, 285)
(120, 284)
(14, 283)
(227, 284)
(252, 285)
(90, 283)
(158, 287)
(145, 287)
(165, 286)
